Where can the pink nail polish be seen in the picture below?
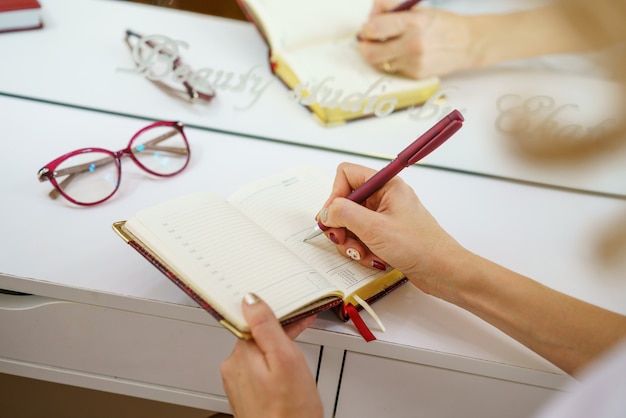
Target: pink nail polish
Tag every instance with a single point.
(333, 238)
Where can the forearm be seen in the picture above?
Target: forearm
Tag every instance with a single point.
(564, 330)
(525, 34)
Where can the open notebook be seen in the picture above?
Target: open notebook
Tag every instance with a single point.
(217, 250)
(313, 50)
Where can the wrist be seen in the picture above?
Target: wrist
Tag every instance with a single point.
(528, 33)
(458, 280)
(481, 50)
(491, 41)
(447, 273)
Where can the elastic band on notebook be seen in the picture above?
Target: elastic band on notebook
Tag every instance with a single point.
(369, 310)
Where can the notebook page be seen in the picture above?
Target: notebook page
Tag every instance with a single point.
(223, 255)
(286, 205)
(290, 24)
(337, 69)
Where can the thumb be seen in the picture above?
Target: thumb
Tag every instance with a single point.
(267, 332)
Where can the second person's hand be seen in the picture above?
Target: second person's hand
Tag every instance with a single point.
(417, 43)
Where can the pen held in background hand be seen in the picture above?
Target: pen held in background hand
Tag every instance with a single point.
(419, 149)
(405, 5)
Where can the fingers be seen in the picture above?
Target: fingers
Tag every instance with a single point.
(362, 223)
(392, 51)
(293, 330)
(356, 228)
(268, 374)
(382, 6)
(266, 331)
(348, 178)
(383, 27)
(355, 249)
(240, 371)
(402, 54)
(422, 42)
(393, 42)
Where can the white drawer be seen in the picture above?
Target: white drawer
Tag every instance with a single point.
(377, 387)
(117, 343)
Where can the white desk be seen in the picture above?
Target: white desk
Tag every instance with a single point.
(104, 318)
(77, 57)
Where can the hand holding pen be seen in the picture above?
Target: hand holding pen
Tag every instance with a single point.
(419, 42)
(401, 7)
(419, 149)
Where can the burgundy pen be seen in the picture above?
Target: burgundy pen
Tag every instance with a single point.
(405, 5)
(419, 149)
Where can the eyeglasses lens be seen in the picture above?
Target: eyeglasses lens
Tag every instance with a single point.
(161, 150)
(88, 177)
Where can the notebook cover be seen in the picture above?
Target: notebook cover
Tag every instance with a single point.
(39, 26)
(252, 19)
(13, 5)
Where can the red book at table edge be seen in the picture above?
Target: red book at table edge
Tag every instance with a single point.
(17, 15)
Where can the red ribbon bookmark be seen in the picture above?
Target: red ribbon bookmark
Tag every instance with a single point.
(354, 315)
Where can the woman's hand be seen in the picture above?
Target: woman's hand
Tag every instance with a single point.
(417, 43)
(391, 227)
(425, 41)
(267, 376)
(394, 227)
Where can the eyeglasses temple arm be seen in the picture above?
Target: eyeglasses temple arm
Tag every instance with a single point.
(54, 193)
(191, 93)
(152, 144)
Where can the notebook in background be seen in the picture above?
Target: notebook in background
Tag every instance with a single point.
(16, 15)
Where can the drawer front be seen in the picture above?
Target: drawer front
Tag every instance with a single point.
(378, 387)
(118, 343)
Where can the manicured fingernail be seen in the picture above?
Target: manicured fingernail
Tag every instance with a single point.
(353, 254)
(251, 298)
(333, 238)
(323, 215)
(378, 265)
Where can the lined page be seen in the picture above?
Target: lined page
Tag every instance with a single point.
(223, 255)
(286, 205)
(348, 74)
(288, 23)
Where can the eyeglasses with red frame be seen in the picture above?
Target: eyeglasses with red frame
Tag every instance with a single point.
(89, 176)
(147, 50)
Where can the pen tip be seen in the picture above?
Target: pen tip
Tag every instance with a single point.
(314, 232)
